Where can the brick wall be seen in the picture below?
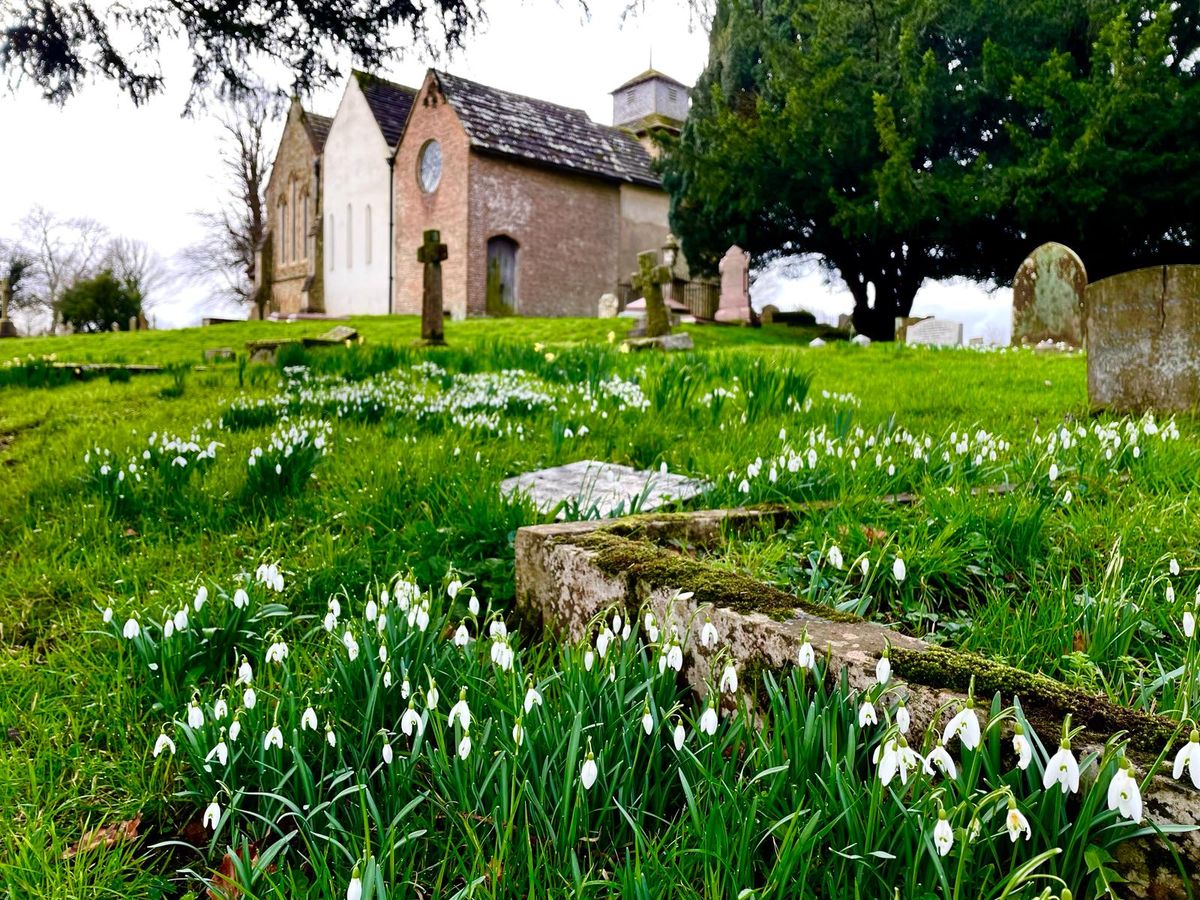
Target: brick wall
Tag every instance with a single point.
(445, 208)
(293, 166)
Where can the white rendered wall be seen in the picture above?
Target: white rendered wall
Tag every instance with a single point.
(355, 173)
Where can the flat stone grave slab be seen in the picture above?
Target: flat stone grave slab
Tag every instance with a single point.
(679, 341)
(607, 488)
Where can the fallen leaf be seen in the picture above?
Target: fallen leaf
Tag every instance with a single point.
(130, 532)
(105, 836)
(1079, 643)
(875, 535)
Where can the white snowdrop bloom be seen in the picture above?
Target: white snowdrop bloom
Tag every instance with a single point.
(675, 656)
(677, 735)
(518, 732)
(308, 719)
(330, 621)
(1062, 769)
(883, 669)
(626, 631)
(708, 634)
(277, 652)
(867, 715)
(329, 737)
(460, 711)
(1021, 747)
(383, 599)
(532, 698)
(383, 654)
(806, 658)
(386, 753)
(896, 758)
(464, 746)
(462, 636)
(221, 752)
(835, 557)
(235, 729)
(245, 673)
(744, 487)
(249, 698)
(453, 588)
(602, 640)
(942, 760)
(903, 719)
(1053, 472)
(1067, 495)
(422, 616)
(647, 719)
(351, 645)
(168, 629)
(497, 628)
(201, 598)
(354, 890)
(108, 614)
(131, 629)
(432, 695)
(278, 469)
(587, 774)
(964, 726)
(212, 815)
(1016, 823)
(708, 720)
(335, 607)
(1189, 623)
(411, 721)
(195, 715)
(1170, 595)
(274, 738)
(616, 623)
(589, 659)
(1188, 758)
(898, 569)
(864, 565)
(729, 679)
(1124, 794)
(372, 610)
(240, 599)
(163, 743)
(891, 469)
(1173, 566)
(943, 834)
(220, 709)
(473, 605)
(381, 624)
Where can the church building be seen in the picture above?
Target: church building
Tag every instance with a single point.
(542, 209)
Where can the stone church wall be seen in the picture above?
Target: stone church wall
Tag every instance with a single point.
(293, 164)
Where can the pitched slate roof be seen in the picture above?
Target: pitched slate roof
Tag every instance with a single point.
(390, 104)
(545, 133)
(318, 128)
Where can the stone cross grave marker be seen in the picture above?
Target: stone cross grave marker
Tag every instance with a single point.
(7, 329)
(432, 253)
(648, 280)
(1143, 340)
(735, 286)
(935, 333)
(1048, 293)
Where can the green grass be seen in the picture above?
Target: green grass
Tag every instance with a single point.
(408, 483)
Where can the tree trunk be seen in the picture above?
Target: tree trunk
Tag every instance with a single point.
(894, 285)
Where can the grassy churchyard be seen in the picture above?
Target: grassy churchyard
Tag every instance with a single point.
(259, 641)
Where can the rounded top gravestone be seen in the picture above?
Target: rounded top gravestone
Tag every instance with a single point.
(1048, 293)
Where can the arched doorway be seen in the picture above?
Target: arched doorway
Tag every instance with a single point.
(502, 297)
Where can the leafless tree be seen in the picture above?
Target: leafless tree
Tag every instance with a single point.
(233, 231)
(62, 251)
(138, 265)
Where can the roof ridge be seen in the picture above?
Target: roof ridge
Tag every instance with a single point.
(531, 99)
(360, 74)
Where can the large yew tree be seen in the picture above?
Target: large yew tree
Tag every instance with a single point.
(900, 140)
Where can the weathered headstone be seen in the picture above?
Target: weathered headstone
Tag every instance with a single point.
(649, 280)
(934, 332)
(1143, 340)
(608, 307)
(7, 328)
(735, 286)
(845, 322)
(605, 488)
(902, 326)
(1048, 292)
(432, 253)
(768, 314)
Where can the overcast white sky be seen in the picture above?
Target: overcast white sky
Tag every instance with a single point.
(143, 171)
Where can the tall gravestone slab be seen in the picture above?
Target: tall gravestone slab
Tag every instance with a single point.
(735, 286)
(934, 332)
(1143, 340)
(1048, 294)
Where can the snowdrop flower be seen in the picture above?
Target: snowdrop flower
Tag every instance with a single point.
(460, 711)
(249, 698)
(729, 679)
(708, 634)
(1062, 769)
(220, 751)
(274, 737)
(411, 721)
(1067, 495)
(201, 598)
(220, 708)
(168, 629)
(422, 616)
(835, 557)
(589, 659)
(1053, 472)
(708, 720)
(1189, 757)
(240, 599)
(351, 645)
(867, 715)
(744, 487)
(329, 736)
(270, 575)
(308, 719)
(354, 890)
(898, 569)
(453, 588)
(212, 815)
(883, 668)
(864, 566)
(647, 718)
(195, 715)
(464, 746)
(473, 605)
(1170, 595)
(245, 674)
(1015, 822)
(108, 614)
(587, 774)
(518, 732)
(964, 726)
(235, 729)
(383, 654)
(277, 652)
(675, 656)
(461, 636)
(1124, 793)
(903, 719)
(372, 610)
(432, 695)
(163, 743)
(131, 629)
(806, 659)
(677, 735)
(532, 698)
(1189, 624)
(896, 758)
(616, 623)
(943, 834)
(1021, 747)
(386, 753)
(497, 628)
(1174, 566)
(942, 760)
(330, 621)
